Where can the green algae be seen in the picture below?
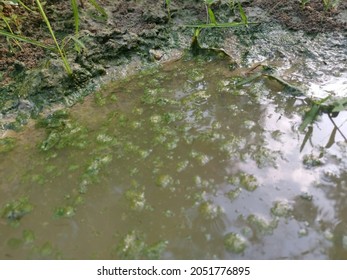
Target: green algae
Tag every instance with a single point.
(235, 243)
(15, 210)
(244, 180)
(65, 211)
(136, 199)
(282, 209)
(15, 243)
(262, 226)
(133, 246)
(311, 161)
(46, 249)
(28, 236)
(165, 181)
(7, 144)
(248, 182)
(180, 166)
(210, 211)
(62, 132)
(234, 194)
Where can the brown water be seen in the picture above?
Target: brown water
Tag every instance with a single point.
(176, 163)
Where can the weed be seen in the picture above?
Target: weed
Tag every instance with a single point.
(303, 3)
(167, 6)
(60, 51)
(330, 4)
(59, 47)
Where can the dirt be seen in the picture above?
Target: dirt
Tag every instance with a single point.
(33, 78)
(312, 17)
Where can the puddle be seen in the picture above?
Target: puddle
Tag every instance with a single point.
(175, 163)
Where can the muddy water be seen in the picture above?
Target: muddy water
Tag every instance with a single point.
(177, 163)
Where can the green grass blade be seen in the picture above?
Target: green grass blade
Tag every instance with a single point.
(25, 6)
(242, 14)
(167, 6)
(79, 45)
(211, 16)
(27, 40)
(76, 16)
(310, 117)
(98, 8)
(62, 55)
(331, 140)
(219, 25)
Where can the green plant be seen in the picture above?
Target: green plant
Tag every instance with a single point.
(211, 22)
(60, 51)
(322, 106)
(303, 3)
(76, 16)
(330, 4)
(59, 47)
(167, 6)
(210, 18)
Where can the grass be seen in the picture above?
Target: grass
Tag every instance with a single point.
(60, 51)
(58, 47)
(167, 6)
(211, 22)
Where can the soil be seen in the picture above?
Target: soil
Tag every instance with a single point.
(33, 78)
(312, 17)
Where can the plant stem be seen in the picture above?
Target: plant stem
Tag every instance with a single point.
(62, 55)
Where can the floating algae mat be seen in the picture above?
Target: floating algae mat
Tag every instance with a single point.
(177, 163)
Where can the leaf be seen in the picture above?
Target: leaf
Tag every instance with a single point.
(211, 16)
(293, 89)
(27, 40)
(331, 138)
(76, 17)
(219, 25)
(310, 117)
(242, 14)
(307, 137)
(340, 105)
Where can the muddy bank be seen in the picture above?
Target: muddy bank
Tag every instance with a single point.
(136, 34)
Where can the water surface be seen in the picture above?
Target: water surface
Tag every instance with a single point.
(178, 163)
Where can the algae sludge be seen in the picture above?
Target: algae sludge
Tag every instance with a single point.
(177, 163)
